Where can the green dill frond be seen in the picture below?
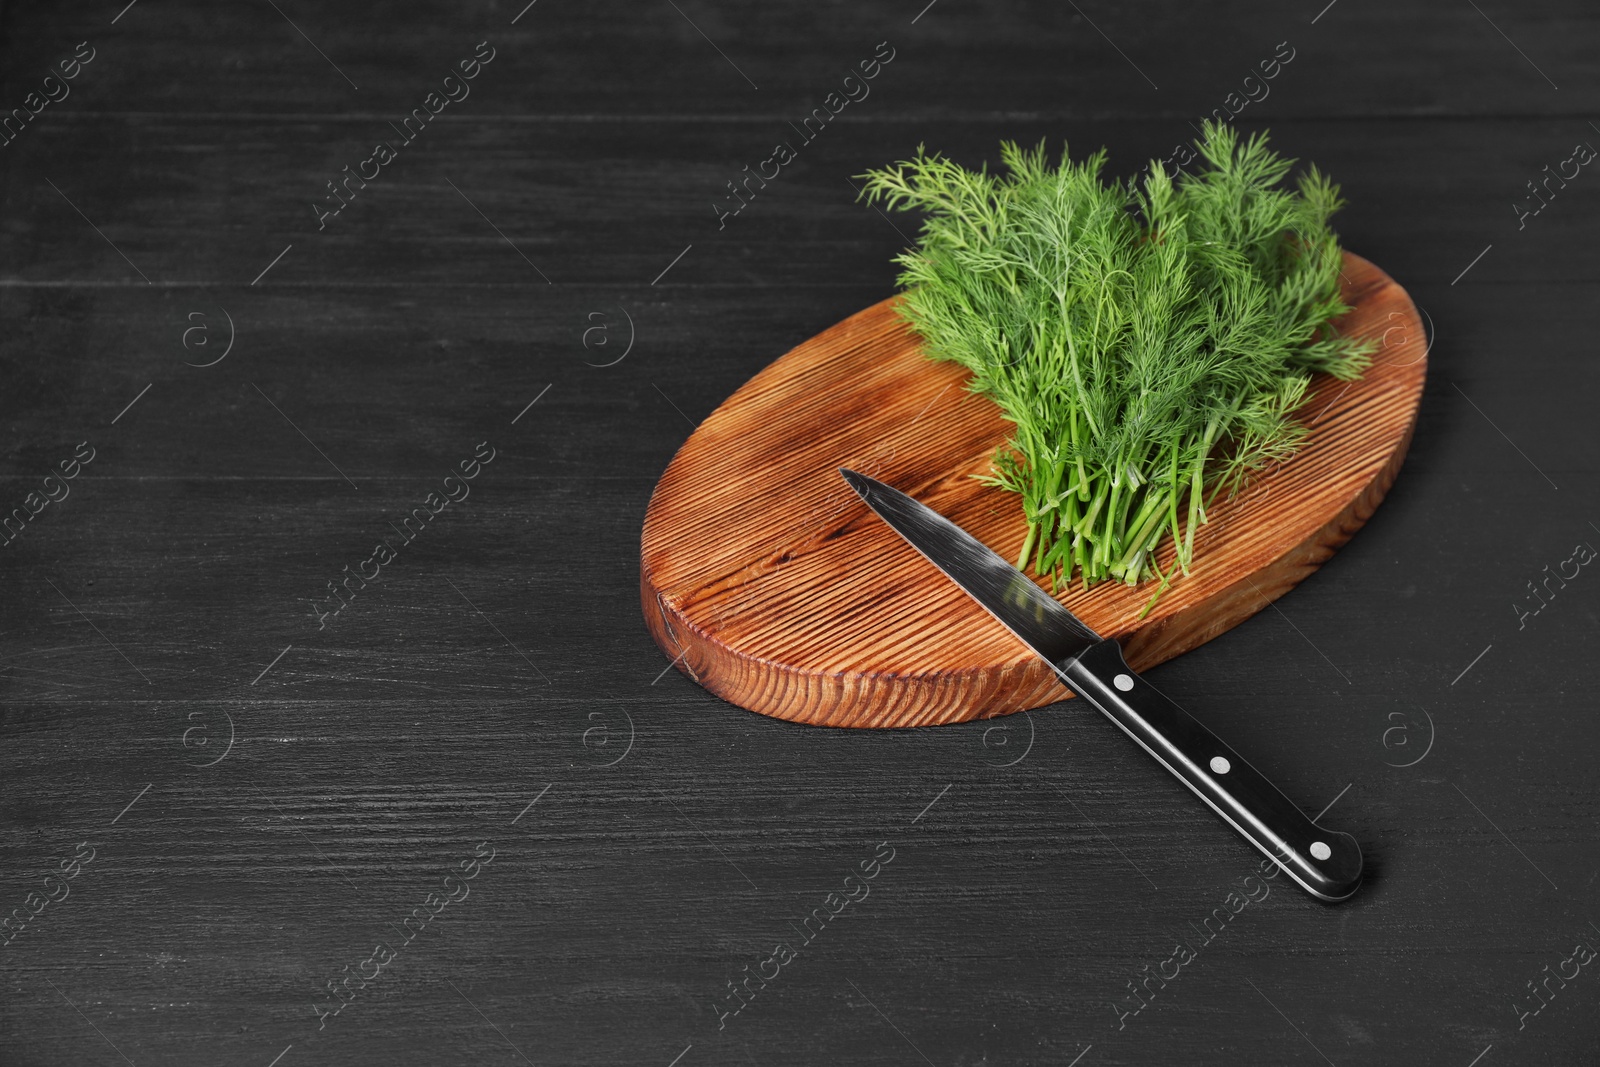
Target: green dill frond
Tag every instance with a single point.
(1148, 340)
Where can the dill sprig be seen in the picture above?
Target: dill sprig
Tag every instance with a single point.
(1149, 341)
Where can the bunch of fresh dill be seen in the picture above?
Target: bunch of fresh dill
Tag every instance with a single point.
(1149, 340)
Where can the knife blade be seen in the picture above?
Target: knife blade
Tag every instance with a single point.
(1325, 863)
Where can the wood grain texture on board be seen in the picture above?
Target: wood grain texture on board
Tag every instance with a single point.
(766, 580)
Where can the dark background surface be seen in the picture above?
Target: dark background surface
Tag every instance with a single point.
(162, 608)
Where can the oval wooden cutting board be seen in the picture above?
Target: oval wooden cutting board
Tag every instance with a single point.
(765, 579)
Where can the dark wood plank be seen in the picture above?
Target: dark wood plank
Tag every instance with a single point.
(374, 755)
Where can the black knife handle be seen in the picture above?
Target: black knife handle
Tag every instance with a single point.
(1325, 863)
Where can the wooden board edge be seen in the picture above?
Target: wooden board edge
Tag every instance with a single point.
(785, 692)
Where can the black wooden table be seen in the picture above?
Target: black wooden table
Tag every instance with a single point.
(272, 795)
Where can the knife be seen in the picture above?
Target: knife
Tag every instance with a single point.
(1325, 863)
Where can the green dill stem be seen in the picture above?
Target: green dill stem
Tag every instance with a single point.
(1145, 524)
(1103, 549)
(1176, 493)
(1027, 545)
(1086, 524)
